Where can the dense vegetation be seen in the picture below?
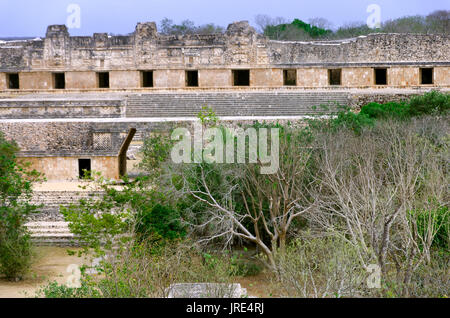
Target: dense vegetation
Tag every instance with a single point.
(352, 192)
(15, 192)
(437, 22)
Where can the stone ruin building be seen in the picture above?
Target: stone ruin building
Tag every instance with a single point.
(65, 151)
(74, 102)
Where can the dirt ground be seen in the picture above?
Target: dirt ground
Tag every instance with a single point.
(50, 265)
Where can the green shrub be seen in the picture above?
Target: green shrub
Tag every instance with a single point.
(161, 221)
(441, 218)
(56, 290)
(385, 111)
(15, 192)
(15, 254)
(432, 103)
(351, 121)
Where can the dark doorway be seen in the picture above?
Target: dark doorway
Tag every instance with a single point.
(241, 77)
(380, 76)
(84, 168)
(13, 81)
(147, 78)
(59, 80)
(426, 76)
(191, 78)
(290, 77)
(334, 76)
(103, 80)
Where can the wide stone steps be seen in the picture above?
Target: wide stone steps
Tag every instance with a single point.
(234, 104)
(50, 203)
(51, 233)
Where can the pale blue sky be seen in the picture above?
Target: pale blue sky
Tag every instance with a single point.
(31, 17)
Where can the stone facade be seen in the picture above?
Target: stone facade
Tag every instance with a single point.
(55, 149)
(216, 56)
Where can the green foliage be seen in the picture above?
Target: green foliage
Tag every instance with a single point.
(134, 270)
(313, 31)
(161, 221)
(207, 116)
(432, 103)
(15, 192)
(155, 151)
(434, 23)
(386, 111)
(56, 290)
(352, 121)
(122, 213)
(287, 31)
(438, 218)
(15, 254)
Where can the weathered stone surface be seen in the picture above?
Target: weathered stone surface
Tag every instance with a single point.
(206, 290)
(240, 47)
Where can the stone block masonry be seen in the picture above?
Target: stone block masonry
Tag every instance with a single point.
(35, 64)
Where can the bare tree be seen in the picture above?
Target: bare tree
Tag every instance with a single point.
(439, 21)
(370, 187)
(242, 203)
(263, 21)
(321, 23)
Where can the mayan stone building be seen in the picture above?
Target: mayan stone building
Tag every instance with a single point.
(71, 91)
(66, 151)
(240, 57)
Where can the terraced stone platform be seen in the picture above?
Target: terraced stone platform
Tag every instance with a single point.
(48, 226)
(262, 103)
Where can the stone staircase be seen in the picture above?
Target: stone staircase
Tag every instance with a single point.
(48, 226)
(51, 233)
(267, 103)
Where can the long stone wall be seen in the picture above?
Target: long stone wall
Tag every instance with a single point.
(51, 108)
(215, 56)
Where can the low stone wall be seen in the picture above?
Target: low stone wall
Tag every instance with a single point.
(359, 100)
(25, 109)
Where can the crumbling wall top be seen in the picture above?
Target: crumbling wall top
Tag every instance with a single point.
(147, 30)
(57, 30)
(240, 28)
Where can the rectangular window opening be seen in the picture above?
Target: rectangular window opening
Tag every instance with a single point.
(192, 78)
(103, 80)
(290, 77)
(426, 76)
(334, 76)
(13, 80)
(84, 168)
(241, 77)
(380, 76)
(147, 78)
(59, 80)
